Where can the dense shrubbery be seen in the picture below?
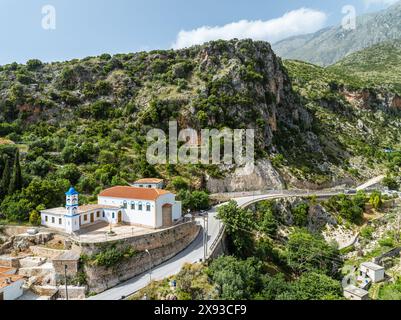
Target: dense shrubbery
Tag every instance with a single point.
(306, 252)
(349, 207)
(245, 279)
(194, 201)
(110, 256)
(305, 256)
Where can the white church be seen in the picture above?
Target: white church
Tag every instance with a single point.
(147, 207)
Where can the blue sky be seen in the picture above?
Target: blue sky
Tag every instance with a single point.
(91, 27)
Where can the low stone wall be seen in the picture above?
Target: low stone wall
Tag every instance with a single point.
(9, 261)
(14, 230)
(162, 246)
(74, 293)
(46, 252)
(44, 291)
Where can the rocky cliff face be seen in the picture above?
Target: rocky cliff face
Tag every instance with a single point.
(261, 177)
(96, 112)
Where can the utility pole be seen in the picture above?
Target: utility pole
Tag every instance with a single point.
(66, 285)
(205, 234)
(204, 239)
(151, 265)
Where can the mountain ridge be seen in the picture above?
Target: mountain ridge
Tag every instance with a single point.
(331, 44)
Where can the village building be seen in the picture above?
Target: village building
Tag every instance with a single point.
(372, 271)
(354, 293)
(11, 285)
(149, 183)
(144, 207)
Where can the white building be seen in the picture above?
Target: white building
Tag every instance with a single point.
(11, 285)
(354, 293)
(372, 271)
(145, 207)
(149, 183)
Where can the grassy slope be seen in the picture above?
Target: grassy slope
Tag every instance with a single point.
(379, 65)
(338, 122)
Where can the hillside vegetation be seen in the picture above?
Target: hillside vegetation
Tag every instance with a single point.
(84, 122)
(379, 65)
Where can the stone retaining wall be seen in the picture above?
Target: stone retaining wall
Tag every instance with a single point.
(46, 252)
(74, 293)
(390, 254)
(162, 246)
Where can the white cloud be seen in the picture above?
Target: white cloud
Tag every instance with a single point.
(292, 23)
(369, 3)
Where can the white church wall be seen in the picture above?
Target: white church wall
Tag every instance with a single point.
(53, 221)
(131, 216)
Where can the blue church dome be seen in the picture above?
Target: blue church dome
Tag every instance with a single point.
(71, 192)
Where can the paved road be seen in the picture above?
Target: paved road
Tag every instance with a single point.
(371, 183)
(194, 252)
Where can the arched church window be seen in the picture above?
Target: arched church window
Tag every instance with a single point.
(148, 207)
(140, 206)
(132, 205)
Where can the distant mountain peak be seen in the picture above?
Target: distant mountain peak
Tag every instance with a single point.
(330, 45)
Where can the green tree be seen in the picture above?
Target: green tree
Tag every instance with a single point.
(5, 180)
(179, 183)
(240, 225)
(16, 179)
(273, 287)
(236, 279)
(390, 183)
(308, 252)
(315, 286)
(34, 64)
(35, 218)
(300, 214)
(194, 201)
(376, 200)
(69, 172)
(268, 223)
(49, 193)
(16, 208)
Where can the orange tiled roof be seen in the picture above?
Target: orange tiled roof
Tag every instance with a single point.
(133, 193)
(148, 180)
(6, 280)
(5, 269)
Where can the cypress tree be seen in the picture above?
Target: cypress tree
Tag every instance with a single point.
(5, 180)
(16, 179)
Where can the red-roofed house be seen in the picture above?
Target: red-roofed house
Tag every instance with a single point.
(145, 207)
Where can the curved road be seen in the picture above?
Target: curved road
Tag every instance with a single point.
(194, 252)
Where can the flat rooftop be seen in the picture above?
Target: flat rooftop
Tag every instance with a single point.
(356, 291)
(372, 266)
(81, 210)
